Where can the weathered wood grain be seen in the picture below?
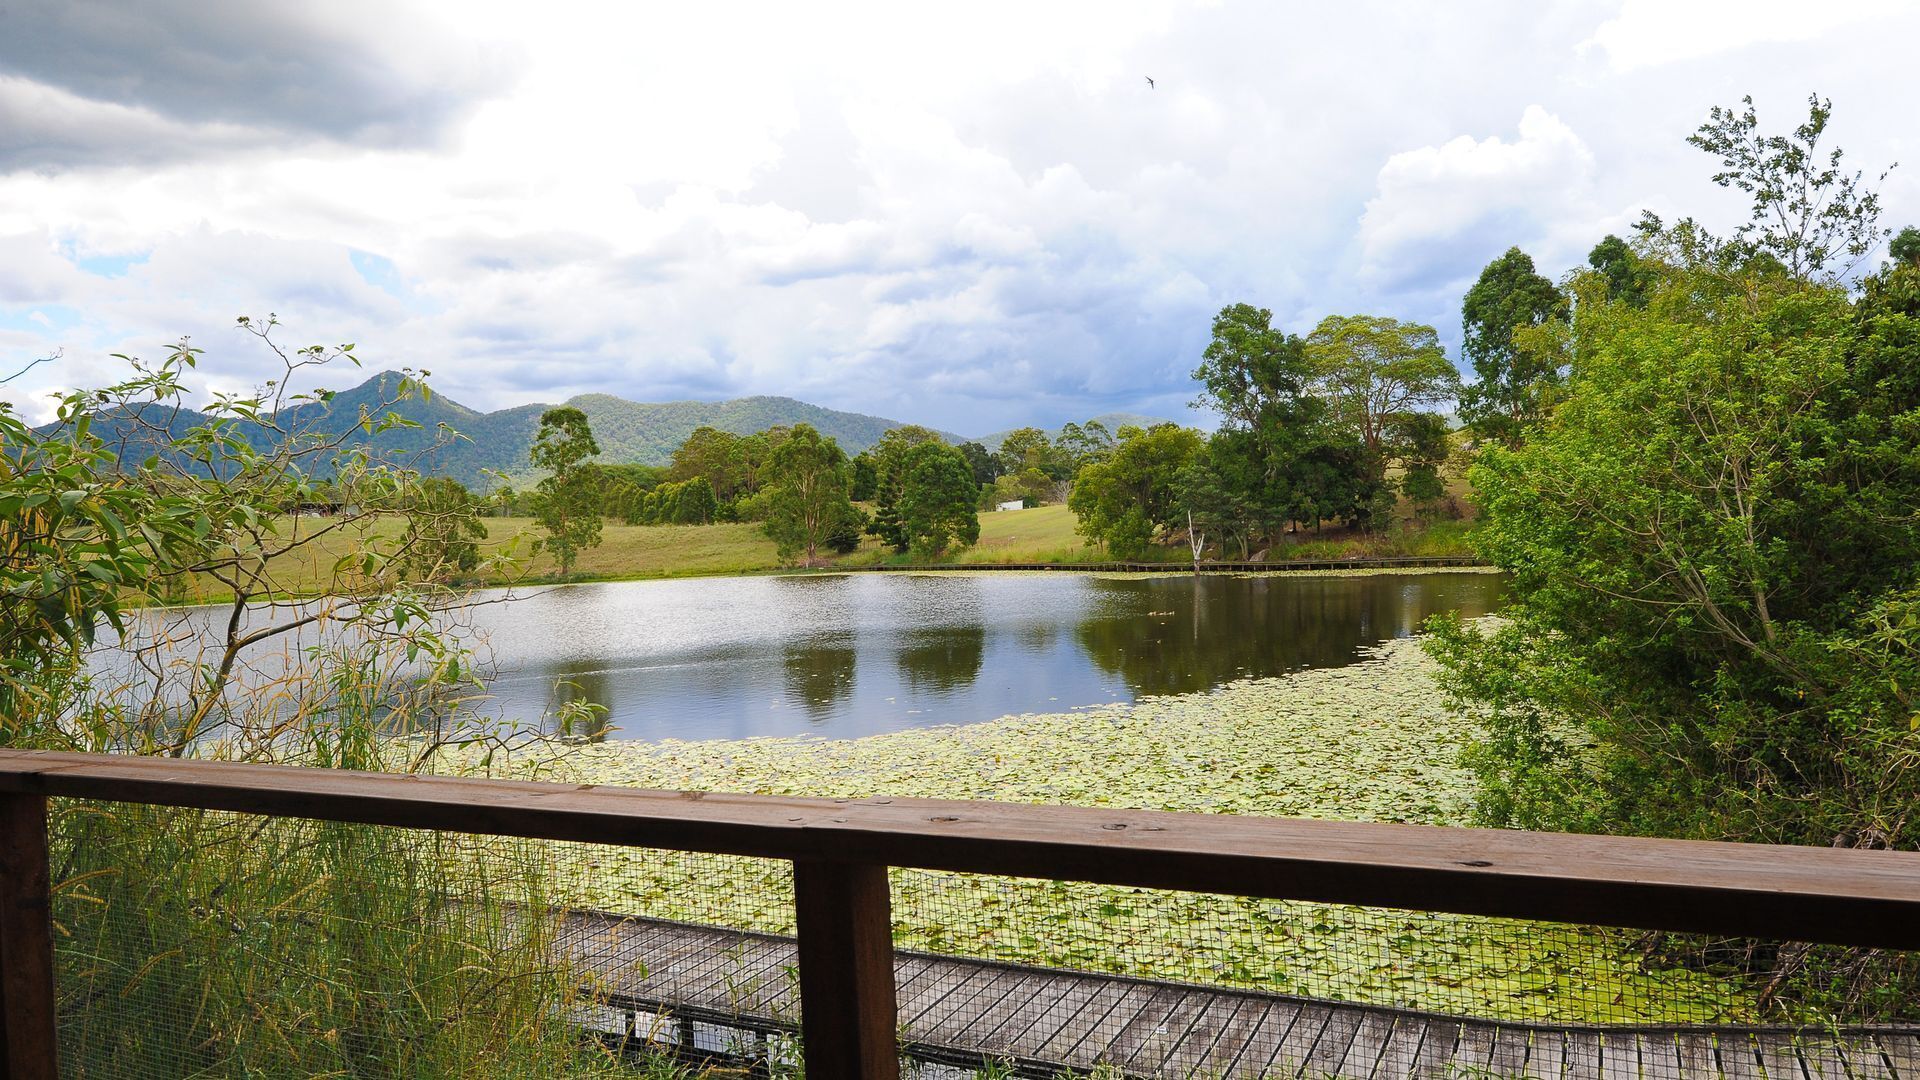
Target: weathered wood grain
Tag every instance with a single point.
(1837, 896)
(29, 1048)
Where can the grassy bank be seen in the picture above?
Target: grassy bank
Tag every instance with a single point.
(630, 552)
(1368, 742)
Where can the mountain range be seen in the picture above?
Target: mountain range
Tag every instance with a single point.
(627, 431)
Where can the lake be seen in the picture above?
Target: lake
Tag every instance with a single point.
(860, 654)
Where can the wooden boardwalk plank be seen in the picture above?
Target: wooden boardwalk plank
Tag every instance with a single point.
(1290, 1055)
(1077, 992)
(1864, 1060)
(1820, 1056)
(915, 1011)
(1402, 1050)
(1217, 1036)
(1050, 1018)
(1369, 1045)
(1336, 1038)
(1091, 1025)
(1470, 1054)
(1254, 1057)
(1156, 1047)
(982, 1032)
(1695, 1053)
(1582, 1054)
(947, 1023)
(1778, 1058)
(1902, 1052)
(1511, 1046)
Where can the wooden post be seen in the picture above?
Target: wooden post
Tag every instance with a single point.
(27, 1038)
(843, 918)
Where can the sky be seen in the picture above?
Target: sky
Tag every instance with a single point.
(971, 216)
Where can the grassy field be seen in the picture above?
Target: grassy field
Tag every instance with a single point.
(626, 552)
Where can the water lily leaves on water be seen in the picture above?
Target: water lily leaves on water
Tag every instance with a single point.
(1370, 742)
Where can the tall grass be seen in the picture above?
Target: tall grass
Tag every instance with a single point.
(196, 943)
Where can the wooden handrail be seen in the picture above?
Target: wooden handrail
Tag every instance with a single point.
(1826, 895)
(841, 849)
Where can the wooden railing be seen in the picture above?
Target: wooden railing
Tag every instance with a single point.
(841, 851)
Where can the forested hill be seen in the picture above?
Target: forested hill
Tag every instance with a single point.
(628, 431)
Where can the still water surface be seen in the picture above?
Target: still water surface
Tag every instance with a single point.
(727, 658)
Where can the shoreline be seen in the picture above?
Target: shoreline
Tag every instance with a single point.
(1359, 569)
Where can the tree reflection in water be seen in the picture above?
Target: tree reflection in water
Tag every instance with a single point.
(942, 660)
(852, 655)
(820, 676)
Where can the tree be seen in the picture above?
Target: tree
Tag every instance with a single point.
(938, 499)
(723, 458)
(1713, 602)
(1261, 383)
(1905, 246)
(1079, 444)
(1027, 448)
(237, 497)
(986, 468)
(1255, 376)
(1372, 368)
(1124, 501)
(1511, 383)
(1808, 214)
(866, 477)
(1629, 279)
(890, 456)
(567, 502)
(443, 529)
(1419, 442)
(808, 486)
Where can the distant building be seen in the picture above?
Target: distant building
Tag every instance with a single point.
(1016, 504)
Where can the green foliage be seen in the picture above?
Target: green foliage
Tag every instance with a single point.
(807, 487)
(1123, 501)
(890, 462)
(1629, 280)
(1905, 246)
(728, 462)
(1029, 448)
(1419, 442)
(937, 505)
(196, 943)
(986, 468)
(1031, 486)
(1375, 368)
(1713, 554)
(1255, 376)
(567, 503)
(1510, 392)
(443, 530)
(1078, 445)
(865, 478)
(1808, 215)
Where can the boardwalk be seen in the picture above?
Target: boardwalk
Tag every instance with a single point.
(1044, 1021)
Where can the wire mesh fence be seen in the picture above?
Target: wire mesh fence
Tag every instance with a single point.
(1040, 977)
(196, 943)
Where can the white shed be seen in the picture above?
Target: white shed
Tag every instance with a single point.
(1016, 504)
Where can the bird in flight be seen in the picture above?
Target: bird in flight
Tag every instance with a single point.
(1150, 83)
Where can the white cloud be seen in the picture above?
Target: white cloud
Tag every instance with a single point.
(938, 214)
(1647, 33)
(1438, 207)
